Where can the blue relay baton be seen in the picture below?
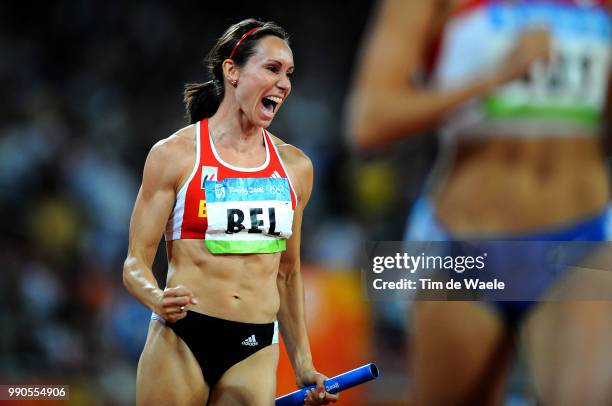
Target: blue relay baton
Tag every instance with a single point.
(336, 384)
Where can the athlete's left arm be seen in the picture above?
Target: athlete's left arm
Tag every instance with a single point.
(291, 315)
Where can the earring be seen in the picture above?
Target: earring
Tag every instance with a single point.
(234, 83)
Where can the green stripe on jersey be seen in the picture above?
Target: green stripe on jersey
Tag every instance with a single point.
(499, 108)
(246, 247)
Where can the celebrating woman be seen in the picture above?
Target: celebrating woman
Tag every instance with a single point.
(230, 197)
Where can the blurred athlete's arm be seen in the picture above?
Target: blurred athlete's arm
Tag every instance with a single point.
(152, 208)
(384, 104)
(607, 124)
(291, 315)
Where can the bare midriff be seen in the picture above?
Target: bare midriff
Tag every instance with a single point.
(228, 286)
(508, 185)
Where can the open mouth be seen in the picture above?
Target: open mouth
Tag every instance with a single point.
(270, 103)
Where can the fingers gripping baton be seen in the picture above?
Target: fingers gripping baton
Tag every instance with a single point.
(336, 384)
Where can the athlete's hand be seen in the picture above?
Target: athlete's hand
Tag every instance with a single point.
(173, 304)
(533, 44)
(318, 395)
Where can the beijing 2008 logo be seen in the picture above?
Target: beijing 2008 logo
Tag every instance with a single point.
(219, 191)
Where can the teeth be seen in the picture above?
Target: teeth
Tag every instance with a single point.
(274, 99)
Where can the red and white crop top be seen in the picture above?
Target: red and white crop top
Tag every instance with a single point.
(234, 210)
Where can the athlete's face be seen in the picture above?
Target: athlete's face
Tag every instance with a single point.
(265, 81)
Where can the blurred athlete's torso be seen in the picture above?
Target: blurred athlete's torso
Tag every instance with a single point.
(527, 156)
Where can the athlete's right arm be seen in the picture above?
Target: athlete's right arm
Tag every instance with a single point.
(153, 205)
(385, 104)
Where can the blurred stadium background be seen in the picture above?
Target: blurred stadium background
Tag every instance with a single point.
(87, 87)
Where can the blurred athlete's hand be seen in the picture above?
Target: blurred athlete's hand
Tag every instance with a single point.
(534, 44)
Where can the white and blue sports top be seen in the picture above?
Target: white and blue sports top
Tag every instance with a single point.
(565, 96)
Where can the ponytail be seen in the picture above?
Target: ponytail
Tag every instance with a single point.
(202, 99)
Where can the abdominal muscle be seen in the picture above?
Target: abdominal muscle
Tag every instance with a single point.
(509, 185)
(237, 287)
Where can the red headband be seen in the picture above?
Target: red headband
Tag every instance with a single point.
(246, 34)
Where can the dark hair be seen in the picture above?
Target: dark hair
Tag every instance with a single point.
(203, 99)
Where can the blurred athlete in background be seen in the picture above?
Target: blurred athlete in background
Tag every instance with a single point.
(518, 91)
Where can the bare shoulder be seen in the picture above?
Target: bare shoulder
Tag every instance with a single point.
(299, 167)
(176, 145)
(172, 158)
(292, 156)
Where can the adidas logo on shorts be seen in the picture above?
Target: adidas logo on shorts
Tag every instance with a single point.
(252, 341)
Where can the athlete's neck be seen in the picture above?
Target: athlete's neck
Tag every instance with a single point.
(229, 127)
